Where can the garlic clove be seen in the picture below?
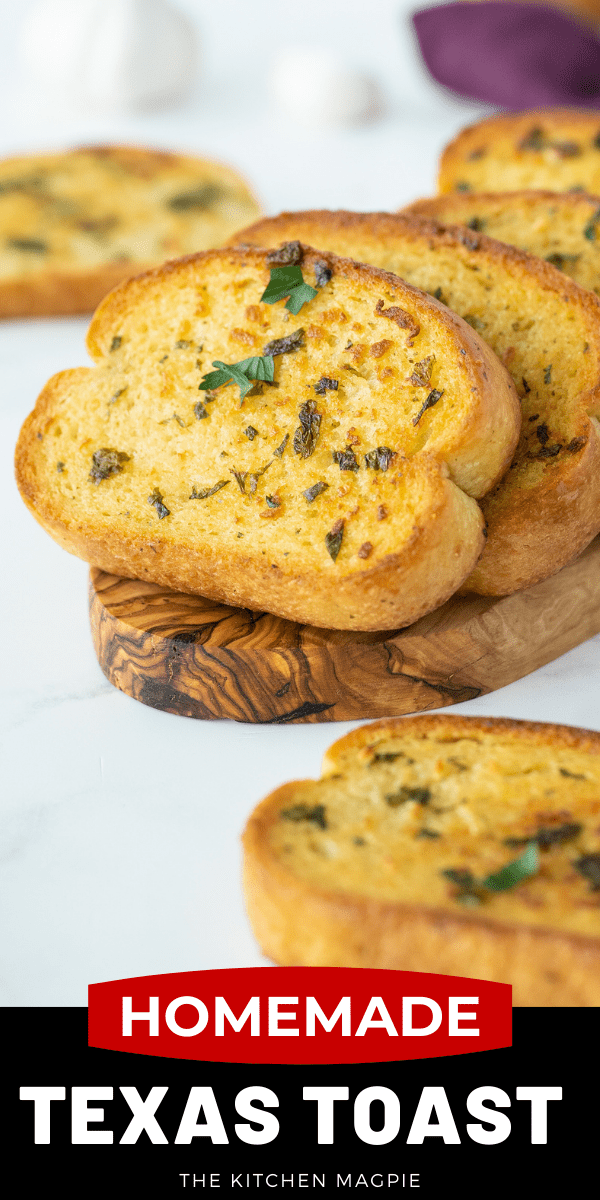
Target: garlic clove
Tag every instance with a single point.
(115, 55)
(316, 87)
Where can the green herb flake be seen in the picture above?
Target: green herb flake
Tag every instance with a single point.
(346, 459)
(280, 449)
(323, 273)
(311, 493)
(200, 411)
(204, 493)
(422, 795)
(462, 186)
(290, 254)
(589, 866)
(182, 345)
(28, 245)
(333, 539)
(241, 374)
(60, 466)
(432, 399)
(247, 481)
(427, 833)
(303, 812)
(115, 344)
(388, 756)
(325, 384)
(546, 836)
(469, 891)
(567, 149)
(156, 500)
(562, 260)
(379, 459)
(523, 867)
(250, 432)
(548, 374)
(477, 224)
(534, 140)
(421, 374)
(106, 462)
(570, 774)
(288, 281)
(201, 197)
(307, 433)
(273, 501)
(285, 345)
(590, 229)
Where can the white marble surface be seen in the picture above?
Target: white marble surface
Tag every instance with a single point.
(120, 827)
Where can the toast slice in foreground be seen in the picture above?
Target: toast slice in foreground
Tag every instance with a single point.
(320, 486)
(557, 149)
(562, 229)
(465, 846)
(73, 225)
(547, 331)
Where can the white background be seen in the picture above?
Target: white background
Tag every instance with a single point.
(120, 825)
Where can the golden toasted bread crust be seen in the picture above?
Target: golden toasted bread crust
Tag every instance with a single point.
(75, 224)
(299, 922)
(556, 149)
(537, 528)
(390, 582)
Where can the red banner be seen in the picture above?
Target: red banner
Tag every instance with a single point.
(299, 1015)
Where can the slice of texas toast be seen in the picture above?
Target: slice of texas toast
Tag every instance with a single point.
(558, 149)
(467, 846)
(339, 494)
(547, 331)
(74, 224)
(560, 228)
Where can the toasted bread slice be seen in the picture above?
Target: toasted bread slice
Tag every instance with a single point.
(557, 149)
(468, 846)
(547, 331)
(341, 495)
(73, 225)
(563, 229)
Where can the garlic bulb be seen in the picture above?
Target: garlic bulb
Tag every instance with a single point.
(114, 55)
(315, 87)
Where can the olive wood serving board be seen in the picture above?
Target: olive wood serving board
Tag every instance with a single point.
(185, 654)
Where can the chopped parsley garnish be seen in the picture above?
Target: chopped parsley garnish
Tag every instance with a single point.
(156, 500)
(421, 375)
(311, 493)
(290, 254)
(29, 245)
(432, 399)
(590, 229)
(323, 274)
(288, 281)
(589, 866)
(421, 794)
(115, 344)
(379, 459)
(204, 493)
(284, 345)
(105, 463)
(307, 433)
(303, 812)
(200, 197)
(200, 410)
(534, 140)
(247, 481)
(548, 836)
(333, 539)
(548, 374)
(325, 385)
(473, 891)
(280, 449)
(272, 501)
(250, 432)
(346, 459)
(242, 374)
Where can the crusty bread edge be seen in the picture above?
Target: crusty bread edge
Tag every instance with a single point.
(503, 123)
(296, 924)
(559, 527)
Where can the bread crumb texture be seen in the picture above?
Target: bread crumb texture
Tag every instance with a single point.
(556, 149)
(493, 823)
(544, 328)
(338, 492)
(86, 218)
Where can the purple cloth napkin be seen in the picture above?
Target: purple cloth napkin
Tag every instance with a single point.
(512, 55)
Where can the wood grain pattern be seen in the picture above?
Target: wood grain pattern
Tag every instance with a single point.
(184, 654)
